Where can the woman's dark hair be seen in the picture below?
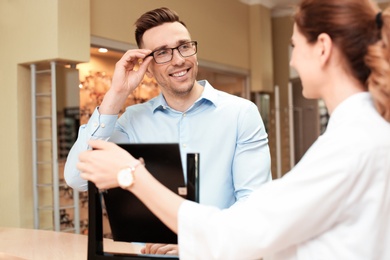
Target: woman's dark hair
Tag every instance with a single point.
(152, 19)
(362, 35)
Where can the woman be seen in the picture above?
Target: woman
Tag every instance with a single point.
(335, 203)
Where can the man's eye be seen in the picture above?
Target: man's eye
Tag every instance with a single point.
(161, 53)
(185, 46)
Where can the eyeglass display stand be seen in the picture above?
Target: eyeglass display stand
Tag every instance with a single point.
(95, 215)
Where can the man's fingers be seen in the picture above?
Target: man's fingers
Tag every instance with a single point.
(160, 249)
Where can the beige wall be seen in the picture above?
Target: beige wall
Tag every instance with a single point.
(231, 38)
(220, 26)
(30, 31)
(261, 49)
(281, 35)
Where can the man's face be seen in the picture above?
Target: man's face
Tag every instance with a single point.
(178, 75)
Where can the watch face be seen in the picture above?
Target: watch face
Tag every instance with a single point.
(125, 178)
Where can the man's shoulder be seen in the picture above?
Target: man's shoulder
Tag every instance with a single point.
(233, 100)
(223, 95)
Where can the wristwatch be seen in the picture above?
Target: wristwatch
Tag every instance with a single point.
(125, 176)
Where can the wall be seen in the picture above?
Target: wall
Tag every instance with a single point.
(219, 26)
(227, 31)
(31, 31)
(282, 28)
(261, 49)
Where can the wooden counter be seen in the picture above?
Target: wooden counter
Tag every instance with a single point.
(17, 244)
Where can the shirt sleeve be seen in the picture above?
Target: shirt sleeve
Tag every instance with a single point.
(252, 161)
(98, 127)
(274, 218)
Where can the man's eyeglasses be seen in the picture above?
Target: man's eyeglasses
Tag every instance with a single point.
(165, 55)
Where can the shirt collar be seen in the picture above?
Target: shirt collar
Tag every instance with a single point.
(351, 105)
(209, 94)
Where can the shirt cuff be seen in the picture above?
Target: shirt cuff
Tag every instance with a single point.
(101, 126)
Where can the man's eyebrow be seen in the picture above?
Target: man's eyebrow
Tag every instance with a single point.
(162, 47)
(183, 41)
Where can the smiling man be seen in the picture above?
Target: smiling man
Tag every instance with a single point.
(227, 131)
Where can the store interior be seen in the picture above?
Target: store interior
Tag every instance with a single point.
(94, 79)
(292, 125)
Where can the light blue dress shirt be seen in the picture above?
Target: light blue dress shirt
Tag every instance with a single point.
(227, 131)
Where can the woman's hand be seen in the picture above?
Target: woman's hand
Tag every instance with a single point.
(102, 164)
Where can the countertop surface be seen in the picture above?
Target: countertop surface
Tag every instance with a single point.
(18, 244)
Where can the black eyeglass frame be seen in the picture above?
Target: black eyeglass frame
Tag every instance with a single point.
(172, 49)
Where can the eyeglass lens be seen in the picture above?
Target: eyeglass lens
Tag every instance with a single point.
(187, 49)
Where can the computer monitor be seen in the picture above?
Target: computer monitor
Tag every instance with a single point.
(130, 220)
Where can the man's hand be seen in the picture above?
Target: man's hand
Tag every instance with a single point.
(160, 249)
(128, 74)
(130, 70)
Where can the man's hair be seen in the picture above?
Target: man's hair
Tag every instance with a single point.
(152, 19)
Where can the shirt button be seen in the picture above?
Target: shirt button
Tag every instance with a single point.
(184, 145)
(103, 125)
(95, 124)
(184, 114)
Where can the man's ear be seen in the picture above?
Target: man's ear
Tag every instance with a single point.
(148, 73)
(325, 46)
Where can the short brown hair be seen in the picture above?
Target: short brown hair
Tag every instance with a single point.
(152, 19)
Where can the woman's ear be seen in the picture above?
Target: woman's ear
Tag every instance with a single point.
(325, 45)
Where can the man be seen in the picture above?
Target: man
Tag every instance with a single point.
(226, 130)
